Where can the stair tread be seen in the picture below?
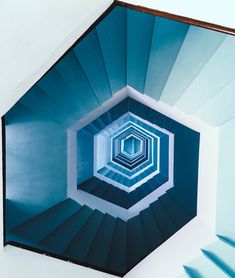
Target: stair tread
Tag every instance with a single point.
(70, 68)
(168, 36)
(88, 51)
(60, 238)
(99, 251)
(203, 267)
(117, 255)
(178, 214)
(43, 224)
(165, 223)
(81, 243)
(136, 247)
(153, 237)
(112, 37)
(139, 37)
(223, 255)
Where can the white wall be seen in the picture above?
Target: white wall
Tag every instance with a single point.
(34, 34)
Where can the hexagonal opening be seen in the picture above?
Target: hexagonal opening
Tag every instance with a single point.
(131, 145)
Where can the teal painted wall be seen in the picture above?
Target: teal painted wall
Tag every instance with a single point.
(36, 163)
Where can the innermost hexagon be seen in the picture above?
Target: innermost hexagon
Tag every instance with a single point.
(127, 152)
(131, 146)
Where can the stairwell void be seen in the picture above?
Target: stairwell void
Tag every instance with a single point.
(95, 175)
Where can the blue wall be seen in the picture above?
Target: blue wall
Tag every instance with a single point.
(36, 163)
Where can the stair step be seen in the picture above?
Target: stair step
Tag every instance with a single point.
(168, 36)
(112, 37)
(89, 184)
(222, 255)
(227, 240)
(70, 68)
(88, 51)
(118, 251)
(136, 247)
(99, 251)
(60, 238)
(43, 224)
(106, 118)
(118, 110)
(192, 273)
(152, 235)
(55, 87)
(203, 267)
(185, 198)
(139, 37)
(39, 102)
(202, 89)
(81, 243)
(219, 109)
(178, 214)
(165, 223)
(198, 46)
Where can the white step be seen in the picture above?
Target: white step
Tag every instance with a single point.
(217, 72)
(199, 45)
(223, 255)
(220, 108)
(203, 267)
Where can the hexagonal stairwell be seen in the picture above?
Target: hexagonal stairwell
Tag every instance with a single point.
(95, 176)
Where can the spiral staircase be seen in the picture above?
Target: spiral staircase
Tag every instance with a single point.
(67, 198)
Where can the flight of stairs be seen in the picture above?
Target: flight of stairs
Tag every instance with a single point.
(217, 260)
(150, 54)
(100, 240)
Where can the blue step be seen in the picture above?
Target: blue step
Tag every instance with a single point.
(100, 249)
(152, 235)
(82, 242)
(91, 128)
(88, 51)
(117, 259)
(136, 246)
(168, 36)
(187, 199)
(112, 37)
(166, 225)
(99, 124)
(38, 101)
(178, 214)
(119, 109)
(118, 196)
(90, 184)
(59, 239)
(57, 90)
(147, 113)
(139, 36)
(43, 224)
(70, 68)
(106, 117)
